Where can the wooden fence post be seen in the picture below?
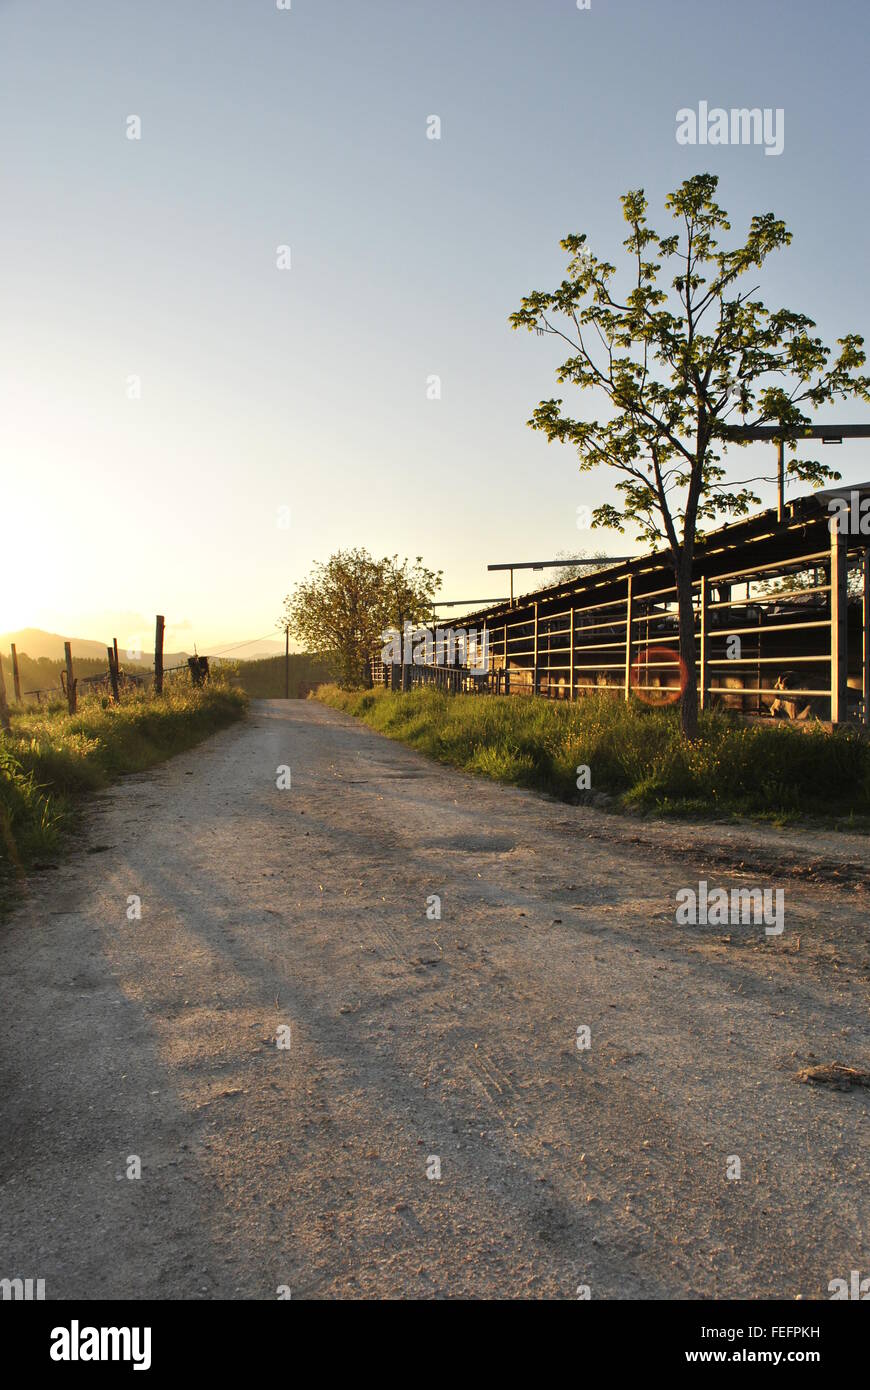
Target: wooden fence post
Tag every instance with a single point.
(70, 679)
(16, 678)
(158, 656)
(4, 707)
(115, 651)
(113, 674)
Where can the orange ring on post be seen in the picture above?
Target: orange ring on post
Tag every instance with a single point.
(672, 658)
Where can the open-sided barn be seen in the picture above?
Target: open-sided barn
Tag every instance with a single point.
(794, 593)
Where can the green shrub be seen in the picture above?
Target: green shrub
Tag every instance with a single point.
(50, 756)
(634, 752)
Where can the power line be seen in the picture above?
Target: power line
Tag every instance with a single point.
(249, 643)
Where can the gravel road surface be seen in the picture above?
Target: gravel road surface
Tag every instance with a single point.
(417, 1045)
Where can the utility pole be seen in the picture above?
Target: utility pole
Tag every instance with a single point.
(286, 663)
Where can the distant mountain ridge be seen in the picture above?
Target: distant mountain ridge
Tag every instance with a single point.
(36, 643)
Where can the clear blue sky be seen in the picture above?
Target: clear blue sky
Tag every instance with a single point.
(306, 388)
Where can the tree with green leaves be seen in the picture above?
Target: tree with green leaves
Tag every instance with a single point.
(347, 605)
(573, 568)
(677, 356)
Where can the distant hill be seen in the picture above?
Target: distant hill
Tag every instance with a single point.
(33, 642)
(36, 643)
(48, 646)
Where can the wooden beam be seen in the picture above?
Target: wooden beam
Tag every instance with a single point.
(758, 432)
(70, 679)
(113, 674)
(16, 678)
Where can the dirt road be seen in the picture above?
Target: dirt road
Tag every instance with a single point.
(411, 1039)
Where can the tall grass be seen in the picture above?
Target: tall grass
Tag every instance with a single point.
(52, 757)
(634, 753)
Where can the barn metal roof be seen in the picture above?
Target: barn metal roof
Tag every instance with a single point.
(765, 538)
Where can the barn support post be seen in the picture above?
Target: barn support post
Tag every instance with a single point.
(865, 681)
(865, 638)
(629, 620)
(705, 642)
(535, 683)
(571, 656)
(839, 618)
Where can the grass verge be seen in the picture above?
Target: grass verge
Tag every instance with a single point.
(634, 753)
(51, 758)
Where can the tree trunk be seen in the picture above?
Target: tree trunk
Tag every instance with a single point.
(688, 649)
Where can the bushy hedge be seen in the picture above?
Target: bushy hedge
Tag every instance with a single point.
(633, 752)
